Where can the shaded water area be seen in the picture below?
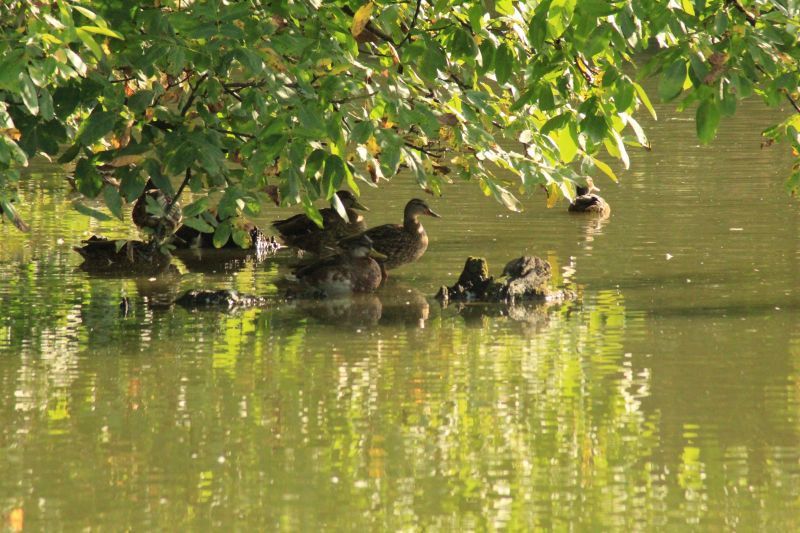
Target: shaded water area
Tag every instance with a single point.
(667, 395)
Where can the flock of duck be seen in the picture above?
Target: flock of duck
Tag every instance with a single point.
(347, 256)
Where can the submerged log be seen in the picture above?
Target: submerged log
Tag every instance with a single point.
(524, 279)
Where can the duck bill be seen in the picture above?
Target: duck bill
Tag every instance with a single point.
(433, 213)
(375, 254)
(361, 207)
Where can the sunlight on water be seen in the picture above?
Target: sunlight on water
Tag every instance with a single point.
(667, 396)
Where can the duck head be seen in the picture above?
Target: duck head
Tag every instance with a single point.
(416, 207)
(349, 201)
(589, 188)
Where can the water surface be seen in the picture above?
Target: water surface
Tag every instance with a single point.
(666, 397)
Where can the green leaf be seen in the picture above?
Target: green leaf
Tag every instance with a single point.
(623, 94)
(182, 158)
(87, 178)
(433, 60)
(153, 169)
(10, 70)
(76, 61)
(85, 12)
(196, 207)
(645, 100)
(555, 123)
(537, 28)
(242, 238)
(198, 224)
(605, 169)
(102, 31)
(113, 200)
(97, 126)
(672, 79)
(29, 97)
(70, 153)
(503, 63)
(84, 209)
(707, 120)
(46, 109)
(140, 101)
(90, 43)
(222, 234)
(312, 211)
(361, 132)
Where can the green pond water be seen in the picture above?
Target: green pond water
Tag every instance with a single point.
(667, 397)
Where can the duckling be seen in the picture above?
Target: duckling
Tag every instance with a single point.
(352, 270)
(406, 242)
(588, 202)
(301, 232)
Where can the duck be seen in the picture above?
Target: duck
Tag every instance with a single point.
(353, 270)
(588, 202)
(102, 255)
(301, 232)
(402, 243)
(145, 219)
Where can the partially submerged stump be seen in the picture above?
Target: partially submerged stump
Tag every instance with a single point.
(524, 279)
(226, 299)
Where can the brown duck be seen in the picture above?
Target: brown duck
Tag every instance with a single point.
(588, 202)
(406, 242)
(301, 232)
(354, 269)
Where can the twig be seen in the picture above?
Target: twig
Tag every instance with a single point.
(193, 94)
(236, 133)
(794, 103)
(740, 8)
(411, 27)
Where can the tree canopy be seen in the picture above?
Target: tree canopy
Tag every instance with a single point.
(292, 100)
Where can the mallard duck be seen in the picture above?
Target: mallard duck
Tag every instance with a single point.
(301, 232)
(402, 243)
(588, 202)
(136, 257)
(158, 201)
(352, 270)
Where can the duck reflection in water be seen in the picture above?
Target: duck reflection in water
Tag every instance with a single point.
(399, 306)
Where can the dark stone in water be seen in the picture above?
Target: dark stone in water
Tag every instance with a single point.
(223, 298)
(524, 279)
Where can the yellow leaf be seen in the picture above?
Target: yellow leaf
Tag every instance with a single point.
(16, 520)
(361, 18)
(553, 194)
(372, 146)
(14, 133)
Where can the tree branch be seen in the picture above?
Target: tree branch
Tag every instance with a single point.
(740, 8)
(411, 27)
(193, 94)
